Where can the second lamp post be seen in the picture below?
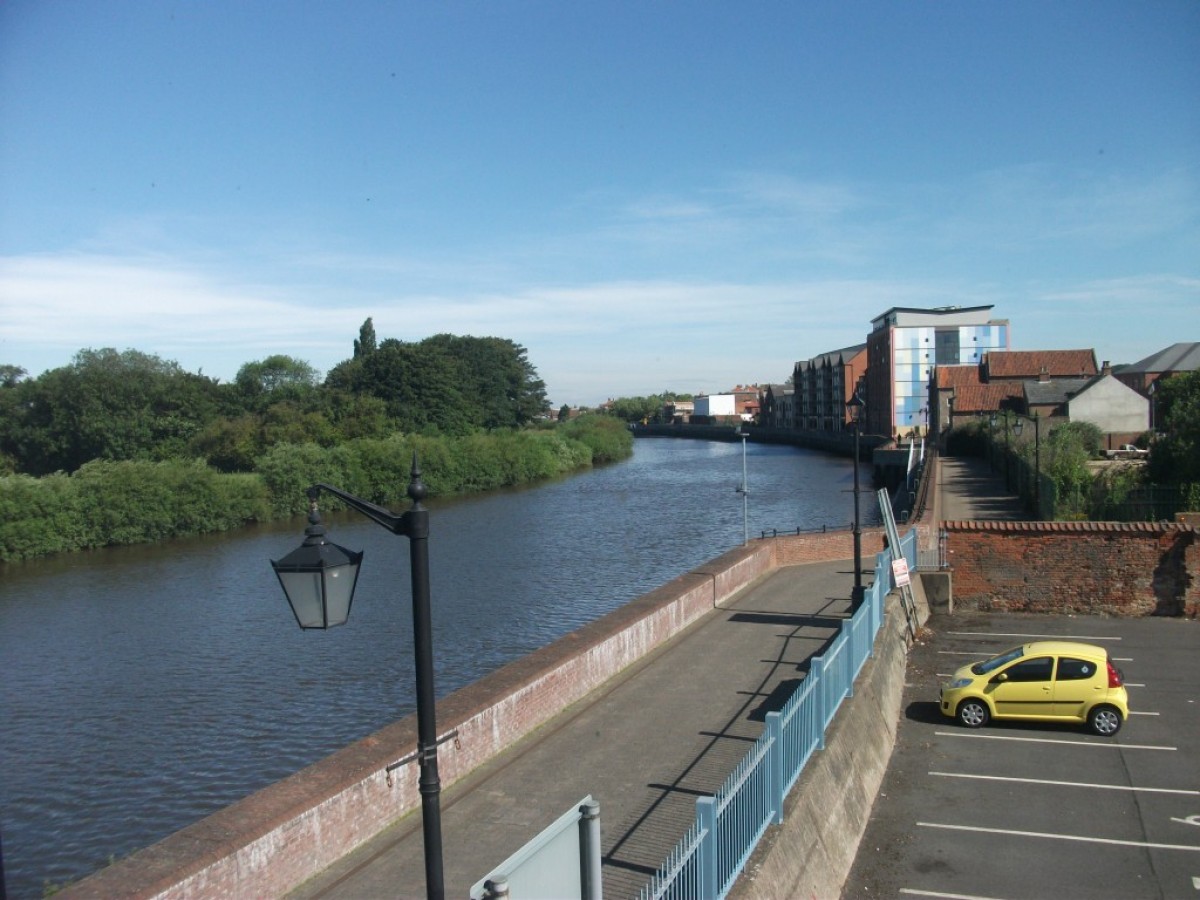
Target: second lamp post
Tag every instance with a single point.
(855, 405)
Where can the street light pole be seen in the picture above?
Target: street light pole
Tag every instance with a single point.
(855, 405)
(319, 579)
(744, 490)
(1037, 459)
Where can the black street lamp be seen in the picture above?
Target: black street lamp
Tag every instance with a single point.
(319, 578)
(991, 442)
(1007, 454)
(855, 405)
(744, 490)
(1037, 458)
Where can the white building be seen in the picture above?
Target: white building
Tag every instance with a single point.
(905, 344)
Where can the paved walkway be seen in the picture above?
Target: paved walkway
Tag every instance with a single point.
(669, 729)
(969, 489)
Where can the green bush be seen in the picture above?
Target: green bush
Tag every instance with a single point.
(608, 438)
(108, 503)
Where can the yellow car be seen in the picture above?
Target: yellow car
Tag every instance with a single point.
(1046, 681)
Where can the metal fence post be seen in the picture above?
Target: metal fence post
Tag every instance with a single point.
(851, 656)
(816, 669)
(706, 853)
(775, 759)
(589, 846)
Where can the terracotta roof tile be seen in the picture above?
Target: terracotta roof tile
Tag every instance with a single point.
(1030, 363)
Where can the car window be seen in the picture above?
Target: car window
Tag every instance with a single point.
(1037, 669)
(989, 665)
(1070, 669)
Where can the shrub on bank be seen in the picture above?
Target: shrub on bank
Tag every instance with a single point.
(107, 503)
(380, 470)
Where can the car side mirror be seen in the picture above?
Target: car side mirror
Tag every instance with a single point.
(1001, 678)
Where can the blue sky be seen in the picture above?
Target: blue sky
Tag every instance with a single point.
(647, 195)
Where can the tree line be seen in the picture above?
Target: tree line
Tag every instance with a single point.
(136, 406)
(125, 447)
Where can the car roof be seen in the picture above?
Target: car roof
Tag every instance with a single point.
(1068, 648)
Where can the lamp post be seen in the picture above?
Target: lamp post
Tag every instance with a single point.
(855, 405)
(744, 490)
(1037, 458)
(991, 442)
(1007, 454)
(319, 578)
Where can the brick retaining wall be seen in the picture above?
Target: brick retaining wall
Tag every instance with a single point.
(1086, 568)
(280, 836)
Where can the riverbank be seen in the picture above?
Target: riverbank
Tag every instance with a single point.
(108, 503)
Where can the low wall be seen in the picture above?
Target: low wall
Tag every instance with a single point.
(284, 834)
(1085, 568)
(826, 814)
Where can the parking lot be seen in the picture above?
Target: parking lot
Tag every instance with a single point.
(1027, 810)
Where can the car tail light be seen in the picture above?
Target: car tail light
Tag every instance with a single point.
(1114, 676)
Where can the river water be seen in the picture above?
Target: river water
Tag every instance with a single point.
(144, 688)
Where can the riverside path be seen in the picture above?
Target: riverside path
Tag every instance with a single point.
(645, 745)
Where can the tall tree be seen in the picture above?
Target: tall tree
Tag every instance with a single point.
(107, 405)
(1175, 457)
(365, 345)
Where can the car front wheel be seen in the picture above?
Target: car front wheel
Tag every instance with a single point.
(973, 713)
(1104, 721)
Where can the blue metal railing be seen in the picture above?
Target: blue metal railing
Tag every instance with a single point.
(709, 858)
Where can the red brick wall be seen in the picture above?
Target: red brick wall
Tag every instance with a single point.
(797, 549)
(1087, 568)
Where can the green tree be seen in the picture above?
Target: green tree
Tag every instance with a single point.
(1175, 457)
(275, 379)
(501, 384)
(105, 405)
(1066, 452)
(366, 344)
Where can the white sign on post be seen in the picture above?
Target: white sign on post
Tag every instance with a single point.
(900, 571)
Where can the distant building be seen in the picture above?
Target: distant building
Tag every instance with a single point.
(1009, 380)
(1119, 411)
(904, 347)
(1021, 365)
(739, 405)
(678, 412)
(777, 406)
(1177, 358)
(823, 384)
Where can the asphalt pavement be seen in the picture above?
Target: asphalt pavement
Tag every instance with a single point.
(670, 728)
(968, 489)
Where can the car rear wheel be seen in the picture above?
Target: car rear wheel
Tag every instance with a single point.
(973, 713)
(1104, 721)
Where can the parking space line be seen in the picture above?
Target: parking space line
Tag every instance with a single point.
(1142, 712)
(1102, 787)
(1062, 837)
(942, 896)
(1052, 637)
(1005, 737)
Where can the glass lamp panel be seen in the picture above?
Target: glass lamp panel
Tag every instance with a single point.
(339, 591)
(303, 590)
